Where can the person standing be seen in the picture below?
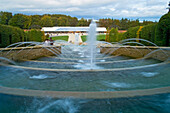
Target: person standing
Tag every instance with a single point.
(51, 41)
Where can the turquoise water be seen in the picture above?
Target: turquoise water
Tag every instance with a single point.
(144, 78)
(113, 80)
(145, 104)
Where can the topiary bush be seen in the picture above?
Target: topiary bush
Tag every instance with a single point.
(113, 35)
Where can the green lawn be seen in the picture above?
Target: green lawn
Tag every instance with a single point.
(99, 37)
(84, 38)
(60, 38)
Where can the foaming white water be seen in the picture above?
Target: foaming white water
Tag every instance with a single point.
(82, 56)
(149, 74)
(102, 60)
(87, 66)
(49, 105)
(81, 61)
(117, 84)
(41, 76)
(65, 104)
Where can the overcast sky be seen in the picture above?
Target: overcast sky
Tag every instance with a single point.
(95, 9)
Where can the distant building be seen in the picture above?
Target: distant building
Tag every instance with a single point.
(71, 29)
(74, 33)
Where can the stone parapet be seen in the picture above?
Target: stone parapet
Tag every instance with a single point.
(28, 53)
(159, 53)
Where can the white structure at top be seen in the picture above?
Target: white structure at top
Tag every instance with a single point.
(74, 33)
(71, 29)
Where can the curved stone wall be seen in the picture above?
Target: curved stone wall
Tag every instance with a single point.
(162, 53)
(83, 95)
(28, 53)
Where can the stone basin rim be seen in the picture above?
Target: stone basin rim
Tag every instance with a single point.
(87, 70)
(83, 95)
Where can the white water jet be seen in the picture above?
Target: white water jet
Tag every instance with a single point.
(92, 43)
(76, 39)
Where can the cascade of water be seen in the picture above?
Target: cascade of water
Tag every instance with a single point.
(92, 43)
(76, 42)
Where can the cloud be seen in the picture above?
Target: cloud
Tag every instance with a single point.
(89, 8)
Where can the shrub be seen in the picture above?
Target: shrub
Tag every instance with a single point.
(132, 32)
(9, 35)
(162, 37)
(148, 33)
(113, 35)
(35, 35)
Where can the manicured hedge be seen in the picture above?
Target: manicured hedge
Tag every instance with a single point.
(132, 32)
(113, 35)
(35, 35)
(148, 33)
(10, 35)
(163, 31)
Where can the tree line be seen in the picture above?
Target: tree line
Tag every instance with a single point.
(159, 33)
(49, 20)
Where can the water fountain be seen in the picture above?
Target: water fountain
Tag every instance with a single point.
(92, 43)
(107, 83)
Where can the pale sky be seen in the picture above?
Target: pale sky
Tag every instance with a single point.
(95, 9)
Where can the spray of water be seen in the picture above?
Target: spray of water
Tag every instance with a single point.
(92, 43)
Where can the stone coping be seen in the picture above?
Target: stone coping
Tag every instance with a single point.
(87, 70)
(30, 47)
(159, 53)
(83, 95)
(80, 58)
(142, 47)
(50, 62)
(40, 46)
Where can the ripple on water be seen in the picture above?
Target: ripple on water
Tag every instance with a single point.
(41, 76)
(117, 84)
(149, 74)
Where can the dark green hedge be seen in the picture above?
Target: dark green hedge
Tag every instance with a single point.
(35, 35)
(10, 35)
(131, 32)
(148, 33)
(163, 31)
(113, 35)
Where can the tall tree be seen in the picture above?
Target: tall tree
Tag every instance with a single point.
(20, 20)
(54, 20)
(62, 21)
(124, 24)
(72, 21)
(5, 17)
(46, 21)
(35, 22)
(82, 22)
